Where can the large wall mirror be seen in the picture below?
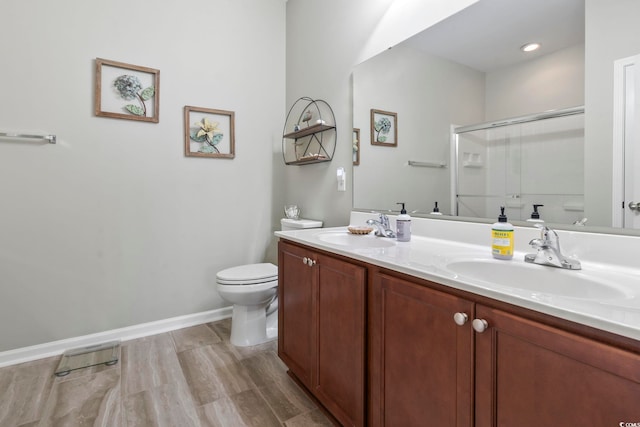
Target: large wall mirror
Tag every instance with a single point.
(469, 70)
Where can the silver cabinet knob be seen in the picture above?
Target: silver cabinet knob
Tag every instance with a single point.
(305, 260)
(460, 318)
(311, 262)
(479, 325)
(634, 206)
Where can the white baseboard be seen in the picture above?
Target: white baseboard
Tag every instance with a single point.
(54, 348)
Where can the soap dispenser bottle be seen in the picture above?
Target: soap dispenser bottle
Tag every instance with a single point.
(535, 215)
(403, 225)
(436, 210)
(502, 237)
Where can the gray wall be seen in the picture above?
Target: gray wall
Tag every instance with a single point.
(338, 35)
(428, 94)
(550, 82)
(114, 226)
(611, 34)
(325, 41)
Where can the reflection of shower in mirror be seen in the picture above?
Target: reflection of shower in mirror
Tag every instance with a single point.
(531, 160)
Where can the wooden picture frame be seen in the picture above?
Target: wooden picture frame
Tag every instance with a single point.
(356, 146)
(209, 133)
(125, 91)
(384, 128)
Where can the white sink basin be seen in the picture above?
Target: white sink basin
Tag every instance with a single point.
(540, 281)
(344, 238)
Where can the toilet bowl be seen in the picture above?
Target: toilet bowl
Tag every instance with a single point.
(253, 291)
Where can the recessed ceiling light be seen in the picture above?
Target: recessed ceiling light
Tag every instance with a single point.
(530, 47)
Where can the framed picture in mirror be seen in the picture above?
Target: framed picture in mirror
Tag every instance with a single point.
(384, 128)
(356, 146)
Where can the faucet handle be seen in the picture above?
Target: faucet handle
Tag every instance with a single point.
(536, 243)
(546, 233)
(550, 234)
(384, 219)
(541, 227)
(543, 231)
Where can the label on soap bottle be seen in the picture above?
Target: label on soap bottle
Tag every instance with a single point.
(403, 231)
(502, 243)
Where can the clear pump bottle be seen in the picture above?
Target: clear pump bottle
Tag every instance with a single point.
(436, 210)
(403, 225)
(535, 215)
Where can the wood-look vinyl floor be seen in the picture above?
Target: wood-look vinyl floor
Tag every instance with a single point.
(189, 377)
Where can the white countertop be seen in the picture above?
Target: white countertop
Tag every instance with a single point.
(614, 308)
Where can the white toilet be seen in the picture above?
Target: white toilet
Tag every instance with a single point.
(253, 291)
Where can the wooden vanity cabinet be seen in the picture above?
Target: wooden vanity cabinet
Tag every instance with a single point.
(421, 371)
(296, 324)
(431, 366)
(529, 374)
(411, 352)
(322, 328)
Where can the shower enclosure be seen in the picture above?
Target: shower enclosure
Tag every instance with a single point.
(518, 162)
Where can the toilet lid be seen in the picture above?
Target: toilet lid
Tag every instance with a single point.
(248, 274)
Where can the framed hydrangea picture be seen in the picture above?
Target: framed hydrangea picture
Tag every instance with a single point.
(356, 146)
(384, 128)
(125, 91)
(209, 133)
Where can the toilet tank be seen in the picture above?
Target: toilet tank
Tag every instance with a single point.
(299, 224)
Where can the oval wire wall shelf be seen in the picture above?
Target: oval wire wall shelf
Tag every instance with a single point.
(309, 134)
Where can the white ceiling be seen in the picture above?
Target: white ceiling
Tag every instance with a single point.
(488, 34)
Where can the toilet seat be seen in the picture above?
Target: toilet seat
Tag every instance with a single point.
(250, 274)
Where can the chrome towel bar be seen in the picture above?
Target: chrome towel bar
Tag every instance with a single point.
(50, 138)
(427, 164)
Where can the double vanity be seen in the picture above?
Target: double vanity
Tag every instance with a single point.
(435, 332)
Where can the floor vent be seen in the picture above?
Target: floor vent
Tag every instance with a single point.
(78, 358)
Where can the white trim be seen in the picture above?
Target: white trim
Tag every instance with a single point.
(619, 99)
(453, 193)
(54, 348)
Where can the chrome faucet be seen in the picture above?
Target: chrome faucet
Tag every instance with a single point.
(548, 246)
(382, 226)
(581, 222)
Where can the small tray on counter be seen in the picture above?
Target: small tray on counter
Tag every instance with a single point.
(359, 229)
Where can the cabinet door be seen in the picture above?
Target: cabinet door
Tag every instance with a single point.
(296, 302)
(421, 361)
(340, 372)
(530, 374)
